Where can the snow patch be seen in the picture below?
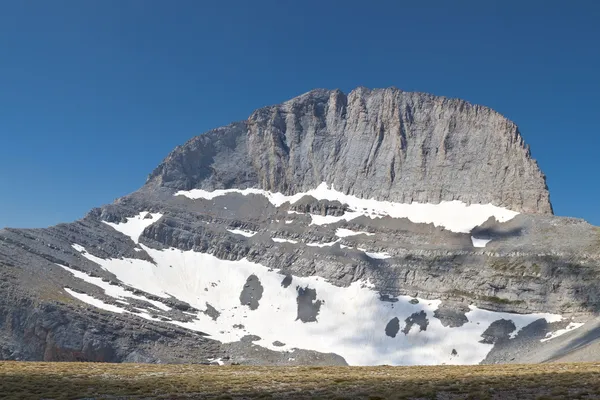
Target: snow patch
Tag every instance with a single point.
(241, 232)
(479, 242)
(135, 225)
(114, 291)
(281, 240)
(343, 232)
(560, 332)
(86, 298)
(78, 248)
(375, 255)
(350, 321)
(322, 244)
(132, 272)
(453, 215)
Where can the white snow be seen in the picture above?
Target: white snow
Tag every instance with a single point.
(560, 332)
(86, 298)
(289, 221)
(479, 242)
(109, 307)
(113, 290)
(322, 244)
(78, 248)
(217, 360)
(343, 232)
(454, 215)
(376, 255)
(135, 225)
(281, 240)
(351, 321)
(241, 232)
(133, 272)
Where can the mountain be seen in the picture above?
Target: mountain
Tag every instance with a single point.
(378, 227)
(383, 144)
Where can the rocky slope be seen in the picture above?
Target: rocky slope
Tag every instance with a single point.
(254, 243)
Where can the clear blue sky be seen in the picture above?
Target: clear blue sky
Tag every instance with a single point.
(94, 94)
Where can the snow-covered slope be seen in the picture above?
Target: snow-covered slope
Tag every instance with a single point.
(455, 215)
(307, 312)
(239, 298)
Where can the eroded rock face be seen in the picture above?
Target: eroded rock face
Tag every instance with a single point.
(385, 144)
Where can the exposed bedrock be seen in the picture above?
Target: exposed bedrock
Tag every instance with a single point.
(384, 143)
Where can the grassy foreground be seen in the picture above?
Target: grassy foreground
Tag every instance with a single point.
(32, 380)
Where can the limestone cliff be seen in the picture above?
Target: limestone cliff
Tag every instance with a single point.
(383, 143)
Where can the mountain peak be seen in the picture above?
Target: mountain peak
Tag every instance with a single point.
(386, 144)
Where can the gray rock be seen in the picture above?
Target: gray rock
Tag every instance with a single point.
(419, 319)
(392, 327)
(251, 292)
(452, 315)
(498, 331)
(308, 305)
(384, 143)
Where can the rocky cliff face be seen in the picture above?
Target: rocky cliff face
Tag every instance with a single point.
(385, 144)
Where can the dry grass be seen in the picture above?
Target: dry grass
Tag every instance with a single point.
(19, 380)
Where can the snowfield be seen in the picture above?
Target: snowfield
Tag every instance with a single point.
(455, 215)
(301, 312)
